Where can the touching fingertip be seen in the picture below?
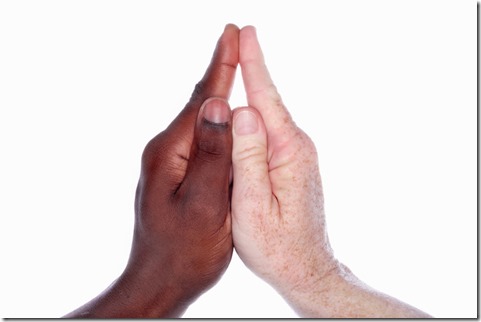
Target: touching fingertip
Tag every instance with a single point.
(230, 25)
(251, 27)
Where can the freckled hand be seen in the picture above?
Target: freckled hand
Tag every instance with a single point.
(277, 201)
(278, 221)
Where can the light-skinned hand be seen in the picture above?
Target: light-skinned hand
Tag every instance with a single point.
(278, 219)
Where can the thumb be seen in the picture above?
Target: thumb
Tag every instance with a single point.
(252, 191)
(206, 181)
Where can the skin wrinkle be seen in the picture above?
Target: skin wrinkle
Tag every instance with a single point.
(250, 152)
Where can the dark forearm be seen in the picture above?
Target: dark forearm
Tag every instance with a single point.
(128, 297)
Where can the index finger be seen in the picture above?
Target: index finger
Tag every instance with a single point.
(216, 82)
(260, 89)
(174, 144)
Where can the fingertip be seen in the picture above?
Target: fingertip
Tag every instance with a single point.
(248, 42)
(249, 29)
(231, 26)
(261, 92)
(230, 34)
(219, 76)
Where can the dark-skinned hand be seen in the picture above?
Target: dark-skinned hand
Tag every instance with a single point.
(182, 240)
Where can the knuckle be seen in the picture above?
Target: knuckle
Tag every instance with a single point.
(198, 91)
(274, 95)
(153, 151)
(214, 142)
(306, 146)
(250, 153)
(148, 155)
(269, 91)
(208, 150)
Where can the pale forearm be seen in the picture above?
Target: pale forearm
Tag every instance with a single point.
(343, 295)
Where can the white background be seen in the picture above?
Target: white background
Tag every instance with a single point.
(386, 89)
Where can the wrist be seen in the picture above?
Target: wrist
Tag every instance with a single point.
(151, 292)
(340, 294)
(311, 298)
(135, 294)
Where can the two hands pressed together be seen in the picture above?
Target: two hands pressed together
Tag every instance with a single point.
(249, 179)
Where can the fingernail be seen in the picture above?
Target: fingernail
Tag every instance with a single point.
(245, 123)
(216, 111)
